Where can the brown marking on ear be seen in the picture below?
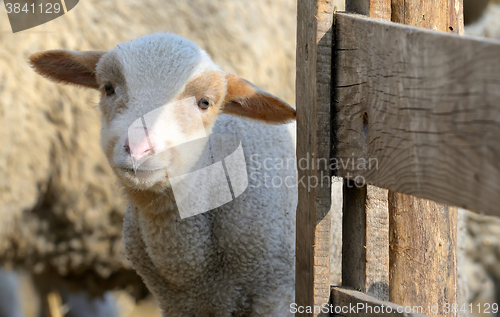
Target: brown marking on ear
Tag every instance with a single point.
(68, 67)
(238, 88)
(245, 99)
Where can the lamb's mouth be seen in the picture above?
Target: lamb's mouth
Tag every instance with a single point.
(143, 173)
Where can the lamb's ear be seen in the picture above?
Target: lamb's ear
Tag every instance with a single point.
(245, 99)
(68, 67)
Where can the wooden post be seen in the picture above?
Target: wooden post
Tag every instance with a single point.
(313, 88)
(423, 258)
(365, 227)
(423, 234)
(378, 9)
(439, 15)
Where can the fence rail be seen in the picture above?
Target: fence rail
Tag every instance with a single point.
(351, 303)
(419, 111)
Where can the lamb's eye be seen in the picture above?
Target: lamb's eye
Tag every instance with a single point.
(109, 89)
(204, 103)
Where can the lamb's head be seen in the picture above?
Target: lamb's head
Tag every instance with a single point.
(160, 71)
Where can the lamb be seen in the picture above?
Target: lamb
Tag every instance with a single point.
(61, 209)
(236, 259)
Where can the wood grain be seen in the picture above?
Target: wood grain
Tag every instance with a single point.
(438, 15)
(313, 91)
(423, 253)
(357, 304)
(365, 260)
(365, 248)
(379, 9)
(422, 107)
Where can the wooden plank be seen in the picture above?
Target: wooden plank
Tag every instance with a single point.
(423, 255)
(419, 111)
(365, 260)
(350, 303)
(365, 248)
(313, 90)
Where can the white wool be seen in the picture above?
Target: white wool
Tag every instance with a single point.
(227, 259)
(178, 61)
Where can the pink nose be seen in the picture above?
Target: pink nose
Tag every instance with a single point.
(142, 149)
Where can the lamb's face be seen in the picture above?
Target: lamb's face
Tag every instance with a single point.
(157, 74)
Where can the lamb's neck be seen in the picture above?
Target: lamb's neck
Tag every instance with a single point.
(153, 203)
(179, 250)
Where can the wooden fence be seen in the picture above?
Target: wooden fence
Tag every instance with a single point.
(408, 111)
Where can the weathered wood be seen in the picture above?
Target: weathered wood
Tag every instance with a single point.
(336, 232)
(350, 303)
(423, 254)
(419, 111)
(366, 216)
(439, 15)
(379, 9)
(365, 248)
(313, 89)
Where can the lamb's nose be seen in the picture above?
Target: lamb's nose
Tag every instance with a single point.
(138, 149)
